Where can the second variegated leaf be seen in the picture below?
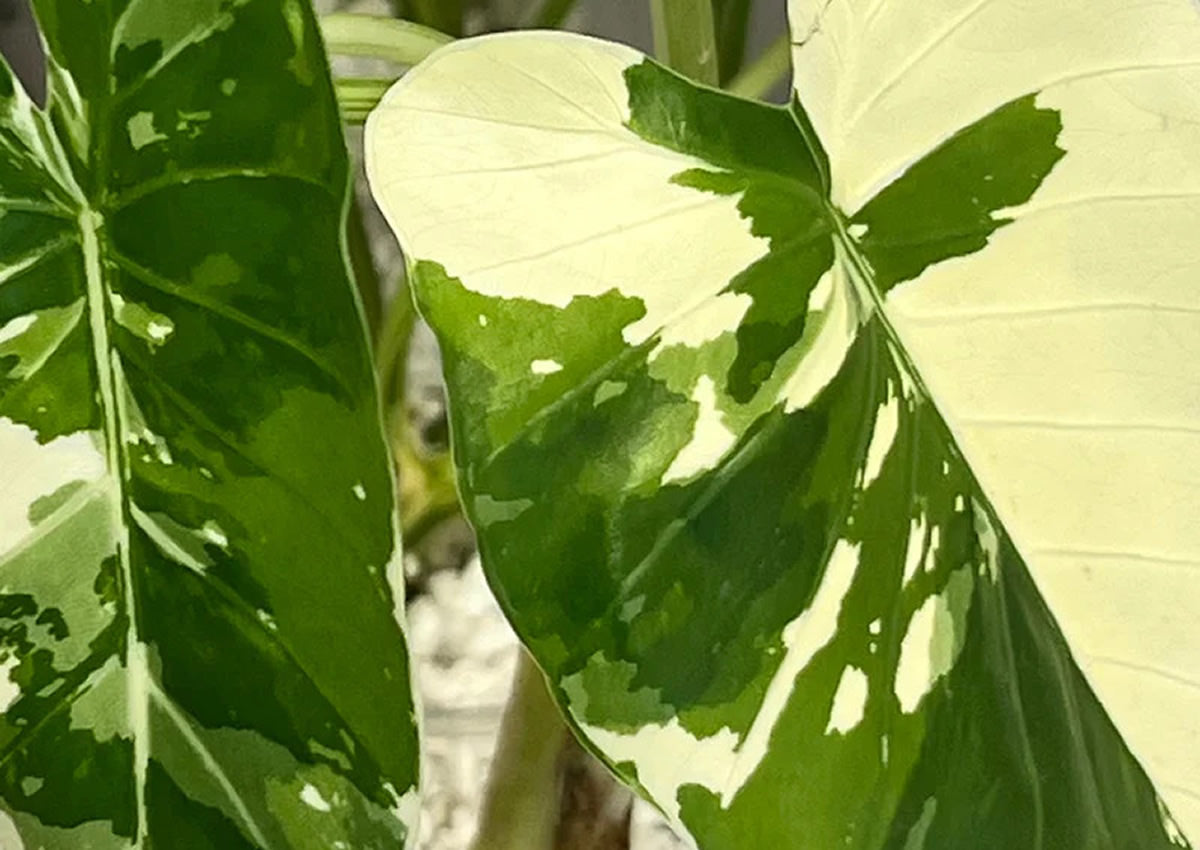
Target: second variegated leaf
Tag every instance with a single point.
(781, 461)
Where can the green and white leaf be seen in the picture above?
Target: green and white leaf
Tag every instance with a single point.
(198, 639)
(838, 463)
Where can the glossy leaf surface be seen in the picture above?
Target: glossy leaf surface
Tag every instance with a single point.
(838, 463)
(197, 635)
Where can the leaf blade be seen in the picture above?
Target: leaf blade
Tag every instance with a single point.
(165, 374)
(820, 547)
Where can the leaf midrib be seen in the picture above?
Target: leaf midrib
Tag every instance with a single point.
(114, 417)
(60, 179)
(863, 280)
(140, 686)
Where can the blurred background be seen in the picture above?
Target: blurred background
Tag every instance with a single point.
(464, 652)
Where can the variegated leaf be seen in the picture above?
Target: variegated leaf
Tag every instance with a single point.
(838, 463)
(197, 636)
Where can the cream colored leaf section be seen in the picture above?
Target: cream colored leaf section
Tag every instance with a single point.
(884, 81)
(711, 438)
(519, 175)
(1066, 354)
(36, 470)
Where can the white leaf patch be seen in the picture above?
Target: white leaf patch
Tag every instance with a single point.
(711, 438)
(545, 367)
(849, 701)
(35, 470)
(932, 642)
(829, 339)
(10, 691)
(313, 799)
(10, 837)
(16, 327)
(887, 425)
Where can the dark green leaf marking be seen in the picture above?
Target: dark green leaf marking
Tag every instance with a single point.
(724, 130)
(944, 205)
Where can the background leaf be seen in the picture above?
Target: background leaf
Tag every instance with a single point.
(731, 19)
(726, 444)
(685, 37)
(198, 636)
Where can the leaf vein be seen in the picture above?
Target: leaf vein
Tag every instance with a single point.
(201, 421)
(210, 763)
(62, 514)
(1148, 669)
(174, 179)
(232, 314)
(1081, 425)
(18, 267)
(626, 227)
(914, 60)
(94, 670)
(1008, 315)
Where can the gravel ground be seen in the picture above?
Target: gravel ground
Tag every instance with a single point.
(464, 654)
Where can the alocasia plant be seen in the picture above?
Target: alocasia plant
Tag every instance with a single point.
(838, 463)
(197, 635)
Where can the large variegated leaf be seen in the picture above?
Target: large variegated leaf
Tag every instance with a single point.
(197, 635)
(839, 464)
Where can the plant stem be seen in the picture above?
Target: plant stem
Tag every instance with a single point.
(402, 42)
(428, 495)
(522, 803)
(445, 15)
(731, 19)
(441, 507)
(684, 38)
(552, 14)
(358, 246)
(357, 96)
(761, 75)
(427, 492)
(596, 808)
(391, 353)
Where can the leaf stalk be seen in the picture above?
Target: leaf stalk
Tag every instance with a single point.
(552, 14)
(522, 803)
(402, 42)
(357, 96)
(757, 79)
(685, 38)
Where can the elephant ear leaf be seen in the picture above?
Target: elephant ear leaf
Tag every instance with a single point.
(838, 462)
(198, 640)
